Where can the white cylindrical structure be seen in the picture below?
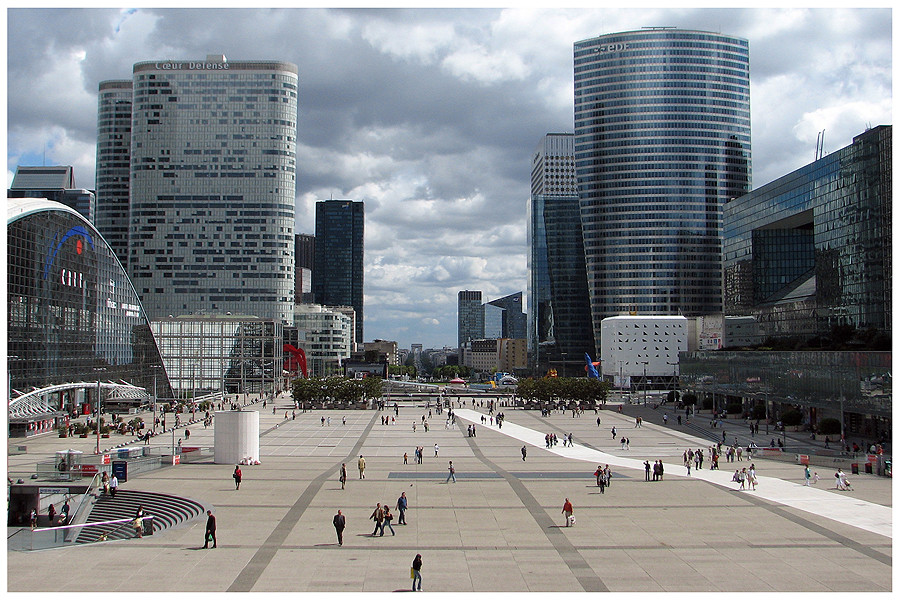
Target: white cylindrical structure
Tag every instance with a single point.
(236, 436)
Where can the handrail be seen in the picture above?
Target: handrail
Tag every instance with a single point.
(88, 492)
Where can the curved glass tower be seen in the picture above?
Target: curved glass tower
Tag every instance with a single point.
(72, 311)
(662, 142)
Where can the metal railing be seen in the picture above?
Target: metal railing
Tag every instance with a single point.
(66, 535)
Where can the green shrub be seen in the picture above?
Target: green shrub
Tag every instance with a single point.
(829, 427)
(791, 417)
(734, 408)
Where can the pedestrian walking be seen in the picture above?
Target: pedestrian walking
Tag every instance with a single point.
(210, 535)
(436, 448)
(378, 516)
(806, 474)
(237, 475)
(416, 572)
(452, 473)
(568, 510)
(340, 522)
(388, 517)
(343, 476)
(361, 464)
(402, 505)
(613, 431)
(405, 458)
(138, 522)
(33, 518)
(51, 514)
(524, 453)
(113, 485)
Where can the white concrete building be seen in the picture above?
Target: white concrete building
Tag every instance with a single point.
(638, 351)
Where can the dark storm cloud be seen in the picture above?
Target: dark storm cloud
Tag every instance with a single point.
(431, 116)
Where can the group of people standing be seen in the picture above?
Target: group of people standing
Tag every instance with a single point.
(604, 476)
(657, 469)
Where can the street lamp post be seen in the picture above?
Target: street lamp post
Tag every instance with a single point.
(644, 381)
(98, 416)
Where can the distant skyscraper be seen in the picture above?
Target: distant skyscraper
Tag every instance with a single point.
(304, 260)
(470, 317)
(338, 269)
(211, 182)
(662, 142)
(113, 165)
(510, 321)
(55, 183)
(559, 315)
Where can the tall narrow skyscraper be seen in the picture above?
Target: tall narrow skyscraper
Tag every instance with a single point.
(211, 184)
(559, 314)
(337, 277)
(469, 317)
(113, 166)
(662, 142)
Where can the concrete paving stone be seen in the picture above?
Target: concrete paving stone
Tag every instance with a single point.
(680, 527)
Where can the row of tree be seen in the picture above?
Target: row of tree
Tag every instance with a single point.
(338, 389)
(556, 389)
(451, 371)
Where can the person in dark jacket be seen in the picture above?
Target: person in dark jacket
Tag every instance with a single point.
(416, 572)
(210, 534)
(339, 523)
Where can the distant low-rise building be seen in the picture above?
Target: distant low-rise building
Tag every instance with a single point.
(324, 335)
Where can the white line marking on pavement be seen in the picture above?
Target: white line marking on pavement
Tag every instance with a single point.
(844, 509)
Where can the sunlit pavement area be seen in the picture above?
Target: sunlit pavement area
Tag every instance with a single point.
(499, 527)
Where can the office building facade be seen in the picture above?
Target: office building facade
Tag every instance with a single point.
(211, 184)
(231, 354)
(304, 260)
(469, 317)
(56, 183)
(662, 142)
(113, 164)
(505, 318)
(324, 335)
(338, 277)
(559, 315)
(812, 249)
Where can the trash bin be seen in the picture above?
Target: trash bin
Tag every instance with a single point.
(868, 468)
(854, 468)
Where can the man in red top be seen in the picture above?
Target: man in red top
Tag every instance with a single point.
(567, 510)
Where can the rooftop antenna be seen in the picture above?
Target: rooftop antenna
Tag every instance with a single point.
(820, 145)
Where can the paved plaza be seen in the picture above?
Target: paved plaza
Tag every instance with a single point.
(499, 527)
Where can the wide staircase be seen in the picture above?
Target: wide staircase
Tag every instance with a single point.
(167, 511)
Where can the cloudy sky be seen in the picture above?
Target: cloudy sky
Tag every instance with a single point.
(431, 116)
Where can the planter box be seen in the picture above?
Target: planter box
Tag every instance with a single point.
(84, 435)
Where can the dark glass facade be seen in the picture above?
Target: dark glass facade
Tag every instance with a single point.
(662, 141)
(512, 318)
(812, 250)
(822, 384)
(559, 308)
(73, 314)
(337, 277)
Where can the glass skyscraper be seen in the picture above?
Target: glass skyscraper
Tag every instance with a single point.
(812, 249)
(210, 220)
(337, 276)
(470, 317)
(662, 142)
(559, 317)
